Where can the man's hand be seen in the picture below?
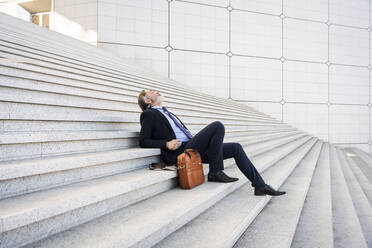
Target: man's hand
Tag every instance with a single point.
(173, 144)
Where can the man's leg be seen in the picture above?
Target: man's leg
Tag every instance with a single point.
(235, 150)
(210, 140)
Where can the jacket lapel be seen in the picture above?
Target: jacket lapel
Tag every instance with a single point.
(164, 118)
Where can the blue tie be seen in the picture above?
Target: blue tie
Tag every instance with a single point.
(187, 132)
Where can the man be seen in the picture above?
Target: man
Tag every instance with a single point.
(162, 129)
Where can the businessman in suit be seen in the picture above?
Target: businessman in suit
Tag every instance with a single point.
(162, 129)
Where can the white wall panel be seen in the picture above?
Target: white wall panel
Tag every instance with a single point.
(107, 29)
(199, 27)
(305, 40)
(349, 45)
(354, 13)
(305, 82)
(256, 79)
(312, 118)
(256, 34)
(313, 10)
(349, 84)
(264, 6)
(223, 3)
(134, 22)
(348, 124)
(206, 72)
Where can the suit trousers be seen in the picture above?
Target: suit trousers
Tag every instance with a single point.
(209, 143)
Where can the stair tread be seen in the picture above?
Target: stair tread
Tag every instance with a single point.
(365, 163)
(347, 231)
(222, 224)
(364, 182)
(277, 222)
(315, 227)
(128, 226)
(26, 167)
(361, 204)
(12, 137)
(109, 186)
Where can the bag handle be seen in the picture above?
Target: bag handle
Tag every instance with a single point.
(187, 151)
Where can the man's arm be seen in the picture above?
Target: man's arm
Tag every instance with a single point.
(147, 125)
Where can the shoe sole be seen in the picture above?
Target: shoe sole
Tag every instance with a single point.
(269, 194)
(259, 194)
(212, 180)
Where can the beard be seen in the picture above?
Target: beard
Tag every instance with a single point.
(159, 99)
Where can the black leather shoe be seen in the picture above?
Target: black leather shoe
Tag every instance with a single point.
(267, 190)
(221, 177)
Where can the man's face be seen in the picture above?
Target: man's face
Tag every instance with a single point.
(154, 97)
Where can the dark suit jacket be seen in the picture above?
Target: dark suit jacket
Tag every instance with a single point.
(156, 131)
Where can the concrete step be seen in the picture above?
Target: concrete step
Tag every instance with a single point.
(11, 53)
(360, 201)
(241, 133)
(66, 89)
(223, 224)
(28, 175)
(315, 227)
(361, 177)
(25, 111)
(364, 161)
(20, 177)
(261, 147)
(276, 225)
(12, 125)
(360, 151)
(347, 231)
(9, 138)
(88, 200)
(23, 89)
(22, 145)
(138, 226)
(35, 101)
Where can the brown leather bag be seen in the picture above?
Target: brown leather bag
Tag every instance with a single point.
(190, 168)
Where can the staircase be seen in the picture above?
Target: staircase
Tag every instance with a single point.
(72, 173)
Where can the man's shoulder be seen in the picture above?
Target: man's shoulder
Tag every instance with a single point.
(150, 110)
(147, 112)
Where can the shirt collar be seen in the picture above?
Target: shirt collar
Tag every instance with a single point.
(156, 107)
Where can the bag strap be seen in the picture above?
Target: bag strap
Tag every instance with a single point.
(188, 150)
